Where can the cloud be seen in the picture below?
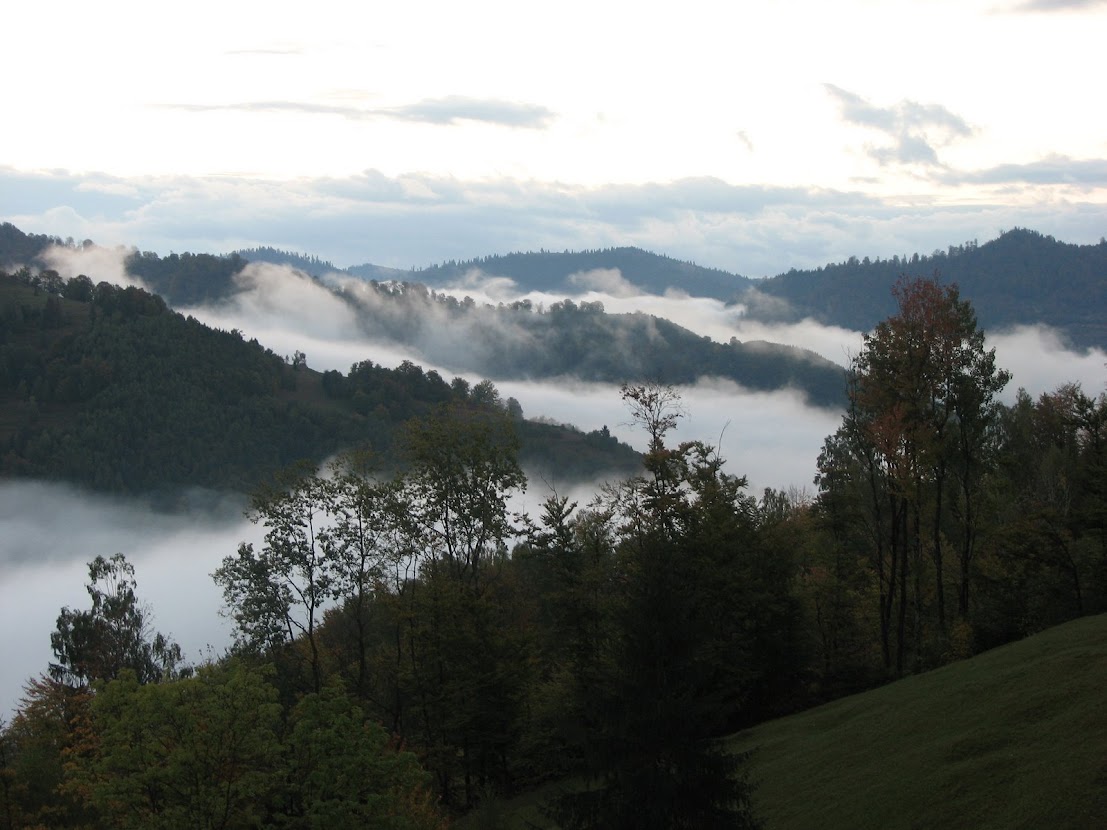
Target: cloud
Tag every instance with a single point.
(48, 534)
(1040, 361)
(95, 262)
(1051, 170)
(417, 220)
(605, 281)
(914, 129)
(456, 108)
(1059, 5)
(446, 111)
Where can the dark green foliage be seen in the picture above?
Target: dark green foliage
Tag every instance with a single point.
(1022, 277)
(302, 262)
(683, 662)
(582, 341)
(21, 249)
(187, 279)
(119, 393)
(113, 636)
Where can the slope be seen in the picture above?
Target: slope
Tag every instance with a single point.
(1015, 737)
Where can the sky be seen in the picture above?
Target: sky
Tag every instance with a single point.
(753, 137)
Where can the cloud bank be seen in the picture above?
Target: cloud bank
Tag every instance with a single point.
(417, 220)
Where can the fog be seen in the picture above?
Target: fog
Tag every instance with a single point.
(48, 533)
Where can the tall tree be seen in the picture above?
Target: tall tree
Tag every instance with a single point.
(278, 594)
(466, 663)
(922, 400)
(681, 659)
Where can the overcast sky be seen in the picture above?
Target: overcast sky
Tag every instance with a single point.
(753, 137)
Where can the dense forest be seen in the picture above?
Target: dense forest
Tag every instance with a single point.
(407, 650)
(1020, 278)
(107, 387)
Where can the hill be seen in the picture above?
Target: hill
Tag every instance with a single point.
(109, 388)
(1021, 278)
(581, 340)
(559, 272)
(1012, 738)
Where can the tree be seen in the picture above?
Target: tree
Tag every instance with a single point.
(681, 662)
(113, 635)
(922, 403)
(466, 663)
(344, 772)
(277, 595)
(198, 752)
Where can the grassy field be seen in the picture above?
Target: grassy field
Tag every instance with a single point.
(1013, 738)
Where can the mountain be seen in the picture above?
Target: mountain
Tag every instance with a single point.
(1020, 278)
(567, 272)
(109, 388)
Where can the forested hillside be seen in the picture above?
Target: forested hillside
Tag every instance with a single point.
(580, 340)
(107, 387)
(1022, 277)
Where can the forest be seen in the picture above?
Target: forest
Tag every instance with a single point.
(109, 388)
(407, 649)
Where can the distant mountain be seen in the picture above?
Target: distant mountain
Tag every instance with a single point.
(1023, 277)
(554, 272)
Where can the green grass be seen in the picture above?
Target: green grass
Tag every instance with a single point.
(1013, 738)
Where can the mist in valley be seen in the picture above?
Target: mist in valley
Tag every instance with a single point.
(49, 532)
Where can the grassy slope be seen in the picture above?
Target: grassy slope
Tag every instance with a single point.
(1014, 738)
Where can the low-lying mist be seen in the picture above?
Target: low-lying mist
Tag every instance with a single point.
(48, 533)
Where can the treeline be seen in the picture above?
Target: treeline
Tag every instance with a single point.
(108, 388)
(610, 644)
(309, 264)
